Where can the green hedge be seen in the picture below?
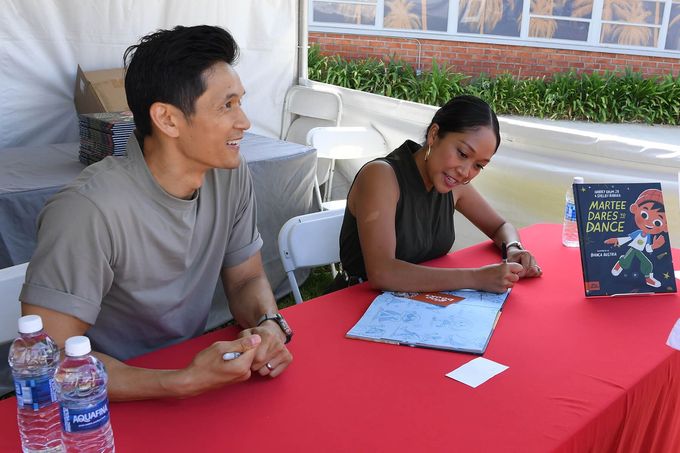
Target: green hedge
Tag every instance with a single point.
(613, 97)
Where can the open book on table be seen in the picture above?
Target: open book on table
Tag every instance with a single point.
(461, 320)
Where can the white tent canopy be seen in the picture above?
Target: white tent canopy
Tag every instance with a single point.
(43, 41)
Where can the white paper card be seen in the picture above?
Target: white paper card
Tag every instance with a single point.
(677, 275)
(674, 337)
(476, 371)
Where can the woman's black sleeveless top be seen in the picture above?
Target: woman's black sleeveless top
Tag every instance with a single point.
(423, 222)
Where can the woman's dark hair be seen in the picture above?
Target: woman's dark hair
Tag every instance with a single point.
(464, 113)
(168, 66)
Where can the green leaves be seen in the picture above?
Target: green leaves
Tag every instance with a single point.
(613, 97)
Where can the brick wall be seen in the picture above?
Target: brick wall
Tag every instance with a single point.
(492, 59)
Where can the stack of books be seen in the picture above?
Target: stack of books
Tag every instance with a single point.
(104, 134)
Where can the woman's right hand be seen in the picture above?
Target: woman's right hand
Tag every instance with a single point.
(497, 278)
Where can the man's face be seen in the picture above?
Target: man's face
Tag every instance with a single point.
(649, 220)
(210, 138)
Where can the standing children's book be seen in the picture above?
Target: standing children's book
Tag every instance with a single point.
(623, 235)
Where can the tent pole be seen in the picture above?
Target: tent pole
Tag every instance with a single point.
(303, 42)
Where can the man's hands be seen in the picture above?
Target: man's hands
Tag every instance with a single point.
(272, 356)
(208, 370)
(250, 295)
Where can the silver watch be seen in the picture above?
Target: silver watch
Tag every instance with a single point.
(514, 244)
(281, 321)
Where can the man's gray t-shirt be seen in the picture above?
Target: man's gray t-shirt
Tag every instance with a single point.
(118, 252)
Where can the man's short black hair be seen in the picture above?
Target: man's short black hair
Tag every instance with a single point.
(168, 66)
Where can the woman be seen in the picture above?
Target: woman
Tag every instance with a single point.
(400, 209)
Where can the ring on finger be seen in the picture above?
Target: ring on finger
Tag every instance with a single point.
(269, 366)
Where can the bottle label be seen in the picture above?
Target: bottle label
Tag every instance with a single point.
(74, 420)
(35, 393)
(570, 212)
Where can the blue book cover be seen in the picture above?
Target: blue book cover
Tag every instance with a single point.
(623, 237)
(461, 320)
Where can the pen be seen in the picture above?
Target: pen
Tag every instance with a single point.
(231, 355)
(504, 252)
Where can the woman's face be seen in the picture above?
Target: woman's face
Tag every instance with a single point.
(458, 157)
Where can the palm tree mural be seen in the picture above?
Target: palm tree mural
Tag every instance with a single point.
(674, 27)
(546, 28)
(540, 27)
(483, 15)
(400, 15)
(631, 11)
(358, 13)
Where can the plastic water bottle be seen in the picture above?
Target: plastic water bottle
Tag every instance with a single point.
(33, 357)
(81, 388)
(569, 228)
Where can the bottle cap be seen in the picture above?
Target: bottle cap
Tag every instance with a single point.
(578, 179)
(30, 324)
(77, 346)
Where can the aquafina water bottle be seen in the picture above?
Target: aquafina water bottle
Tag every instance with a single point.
(569, 226)
(33, 357)
(81, 389)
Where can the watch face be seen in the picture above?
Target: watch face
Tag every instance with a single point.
(284, 325)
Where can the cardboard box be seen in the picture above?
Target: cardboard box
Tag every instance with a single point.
(100, 91)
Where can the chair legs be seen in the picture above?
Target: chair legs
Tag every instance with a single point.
(317, 193)
(294, 287)
(329, 183)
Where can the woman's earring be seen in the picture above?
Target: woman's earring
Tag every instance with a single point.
(427, 153)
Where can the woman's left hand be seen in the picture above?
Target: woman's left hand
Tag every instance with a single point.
(527, 260)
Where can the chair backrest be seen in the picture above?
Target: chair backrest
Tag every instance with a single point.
(307, 107)
(11, 281)
(310, 240)
(347, 142)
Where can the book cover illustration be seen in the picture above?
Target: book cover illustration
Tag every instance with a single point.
(623, 235)
(463, 323)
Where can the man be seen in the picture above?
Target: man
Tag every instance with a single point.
(130, 252)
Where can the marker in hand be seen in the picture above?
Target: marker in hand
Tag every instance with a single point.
(504, 252)
(231, 355)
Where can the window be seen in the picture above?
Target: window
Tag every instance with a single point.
(630, 24)
(358, 12)
(568, 20)
(673, 36)
(428, 15)
(490, 17)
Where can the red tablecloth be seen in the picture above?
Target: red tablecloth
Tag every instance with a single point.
(585, 375)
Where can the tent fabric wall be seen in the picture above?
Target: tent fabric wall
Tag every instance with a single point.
(528, 177)
(43, 41)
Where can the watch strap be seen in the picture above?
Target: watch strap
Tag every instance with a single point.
(280, 321)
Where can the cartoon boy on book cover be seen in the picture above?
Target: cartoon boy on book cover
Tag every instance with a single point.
(650, 218)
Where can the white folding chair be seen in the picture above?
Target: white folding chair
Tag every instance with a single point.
(335, 143)
(310, 240)
(11, 281)
(307, 107)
